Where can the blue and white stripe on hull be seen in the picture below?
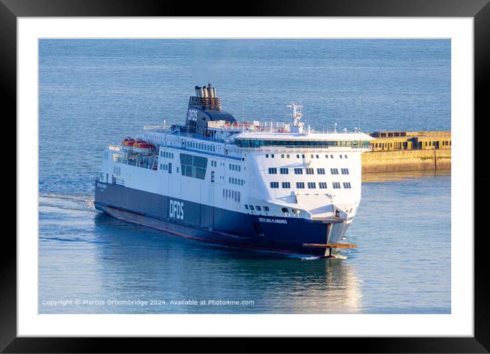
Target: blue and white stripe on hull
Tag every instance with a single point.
(212, 224)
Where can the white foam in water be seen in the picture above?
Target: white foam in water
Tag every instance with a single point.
(87, 201)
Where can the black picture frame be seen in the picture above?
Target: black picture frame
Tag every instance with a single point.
(479, 10)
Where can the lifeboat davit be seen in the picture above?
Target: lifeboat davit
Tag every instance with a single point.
(142, 147)
(127, 144)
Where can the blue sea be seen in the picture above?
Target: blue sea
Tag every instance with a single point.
(96, 92)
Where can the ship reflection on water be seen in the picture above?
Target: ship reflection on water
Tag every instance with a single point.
(143, 264)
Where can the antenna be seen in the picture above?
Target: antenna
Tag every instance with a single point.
(297, 127)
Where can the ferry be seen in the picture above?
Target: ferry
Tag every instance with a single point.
(278, 187)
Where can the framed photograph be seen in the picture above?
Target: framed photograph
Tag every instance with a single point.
(302, 176)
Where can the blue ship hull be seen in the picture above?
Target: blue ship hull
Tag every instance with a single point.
(211, 224)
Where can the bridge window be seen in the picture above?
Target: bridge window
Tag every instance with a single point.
(345, 171)
(266, 208)
(284, 171)
(320, 171)
(336, 185)
(255, 143)
(347, 185)
(193, 166)
(258, 208)
(311, 185)
(323, 185)
(298, 171)
(334, 171)
(286, 185)
(273, 171)
(274, 184)
(300, 185)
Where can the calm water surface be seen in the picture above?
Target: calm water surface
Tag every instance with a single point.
(93, 93)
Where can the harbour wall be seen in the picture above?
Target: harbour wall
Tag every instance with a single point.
(406, 160)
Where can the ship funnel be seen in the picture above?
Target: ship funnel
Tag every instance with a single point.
(210, 91)
(206, 98)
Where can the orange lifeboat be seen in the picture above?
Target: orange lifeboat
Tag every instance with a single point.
(127, 144)
(142, 147)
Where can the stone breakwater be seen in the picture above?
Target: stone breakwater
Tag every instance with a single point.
(406, 160)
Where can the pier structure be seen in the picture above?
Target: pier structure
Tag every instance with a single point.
(394, 151)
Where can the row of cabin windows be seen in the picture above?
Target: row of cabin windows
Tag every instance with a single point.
(265, 208)
(234, 167)
(236, 181)
(303, 156)
(309, 171)
(257, 207)
(231, 194)
(166, 154)
(299, 143)
(311, 185)
(164, 167)
(200, 146)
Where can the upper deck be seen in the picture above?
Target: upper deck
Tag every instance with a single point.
(206, 121)
(256, 135)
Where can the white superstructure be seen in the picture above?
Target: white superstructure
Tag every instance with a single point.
(273, 171)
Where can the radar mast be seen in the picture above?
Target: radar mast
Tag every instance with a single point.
(297, 126)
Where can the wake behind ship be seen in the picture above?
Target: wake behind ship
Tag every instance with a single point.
(273, 187)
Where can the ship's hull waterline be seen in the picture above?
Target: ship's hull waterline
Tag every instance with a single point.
(216, 225)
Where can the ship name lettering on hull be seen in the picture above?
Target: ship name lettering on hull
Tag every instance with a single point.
(273, 221)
